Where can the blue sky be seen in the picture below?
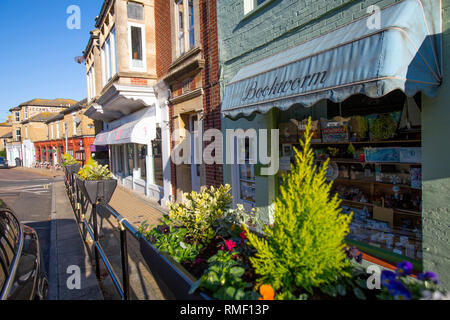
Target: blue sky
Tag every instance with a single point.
(37, 50)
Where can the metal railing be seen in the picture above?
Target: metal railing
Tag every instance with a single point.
(80, 207)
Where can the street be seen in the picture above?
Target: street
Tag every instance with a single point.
(30, 196)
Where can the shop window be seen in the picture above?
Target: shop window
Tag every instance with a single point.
(130, 158)
(374, 149)
(157, 159)
(137, 46)
(142, 160)
(120, 160)
(50, 155)
(38, 154)
(246, 172)
(135, 10)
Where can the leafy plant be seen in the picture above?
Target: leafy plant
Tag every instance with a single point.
(229, 225)
(200, 210)
(224, 277)
(384, 127)
(93, 171)
(171, 239)
(305, 246)
(359, 126)
(333, 152)
(351, 150)
(69, 160)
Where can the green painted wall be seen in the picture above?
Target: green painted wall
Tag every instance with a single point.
(281, 24)
(436, 169)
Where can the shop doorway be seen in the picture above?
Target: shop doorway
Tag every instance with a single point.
(194, 124)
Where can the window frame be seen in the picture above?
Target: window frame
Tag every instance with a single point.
(252, 5)
(187, 37)
(143, 68)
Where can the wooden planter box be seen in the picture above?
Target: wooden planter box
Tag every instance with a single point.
(98, 191)
(173, 280)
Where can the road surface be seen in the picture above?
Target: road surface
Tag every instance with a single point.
(30, 196)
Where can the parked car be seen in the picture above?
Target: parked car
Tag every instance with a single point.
(3, 163)
(22, 270)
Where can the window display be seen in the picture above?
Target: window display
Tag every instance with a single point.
(374, 152)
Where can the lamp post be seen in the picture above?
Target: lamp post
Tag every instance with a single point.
(67, 139)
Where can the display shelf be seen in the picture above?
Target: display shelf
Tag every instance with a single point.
(344, 180)
(353, 161)
(385, 255)
(368, 142)
(396, 210)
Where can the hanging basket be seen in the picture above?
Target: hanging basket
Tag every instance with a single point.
(71, 169)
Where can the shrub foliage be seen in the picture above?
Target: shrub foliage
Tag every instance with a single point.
(200, 210)
(305, 246)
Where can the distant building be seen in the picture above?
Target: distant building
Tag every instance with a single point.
(20, 149)
(5, 133)
(69, 131)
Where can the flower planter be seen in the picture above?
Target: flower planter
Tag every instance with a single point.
(98, 191)
(71, 169)
(173, 280)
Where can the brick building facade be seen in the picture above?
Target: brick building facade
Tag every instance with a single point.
(188, 68)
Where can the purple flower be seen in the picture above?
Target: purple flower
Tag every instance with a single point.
(165, 229)
(398, 290)
(404, 268)
(387, 277)
(428, 276)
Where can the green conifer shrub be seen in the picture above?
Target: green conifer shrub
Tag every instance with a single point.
(305, 246)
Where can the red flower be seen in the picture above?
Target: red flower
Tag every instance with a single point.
(244, 235)
(230, 244)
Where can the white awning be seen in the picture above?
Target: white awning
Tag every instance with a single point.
(140, 131)
(360, 58)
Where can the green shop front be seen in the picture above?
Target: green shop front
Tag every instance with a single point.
(366, 91)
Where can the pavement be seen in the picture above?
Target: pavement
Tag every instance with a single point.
(30, 197)
(69, 254)
(136, 210)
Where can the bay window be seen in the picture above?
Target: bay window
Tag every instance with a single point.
(109, 60)
(91, 82)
